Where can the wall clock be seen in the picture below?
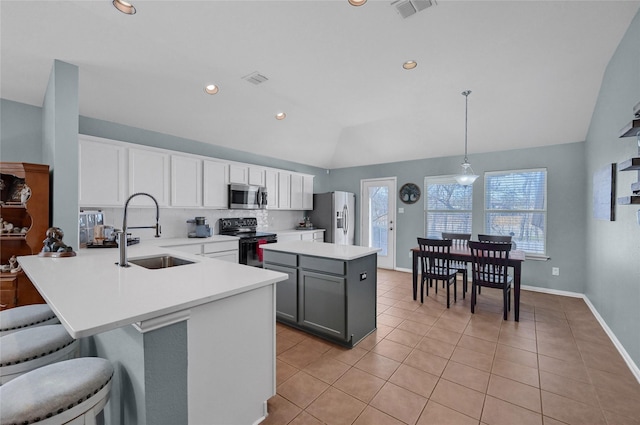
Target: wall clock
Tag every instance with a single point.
(409, 193)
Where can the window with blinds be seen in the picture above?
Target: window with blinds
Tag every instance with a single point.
(448, 206)
(516, 205)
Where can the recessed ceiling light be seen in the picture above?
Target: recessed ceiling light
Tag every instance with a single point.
(281, 116)
(357, 2)
(211, 89)
(124, 7)
(409, 64)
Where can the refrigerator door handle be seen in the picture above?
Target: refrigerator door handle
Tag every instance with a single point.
(345, 214)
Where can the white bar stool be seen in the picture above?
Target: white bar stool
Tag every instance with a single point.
(26, 316)
(29, 349)
(68, 392)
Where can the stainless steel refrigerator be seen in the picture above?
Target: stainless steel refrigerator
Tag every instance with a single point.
(335, 212)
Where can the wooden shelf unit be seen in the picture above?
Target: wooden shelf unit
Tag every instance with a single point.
(33, 215)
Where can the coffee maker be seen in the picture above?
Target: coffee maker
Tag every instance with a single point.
(198, 228)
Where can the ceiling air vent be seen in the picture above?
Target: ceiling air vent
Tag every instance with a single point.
(255, 78)
(406, 8)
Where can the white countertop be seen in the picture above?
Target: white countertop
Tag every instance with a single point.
(91, 294)
(321, 249)
(291, 231)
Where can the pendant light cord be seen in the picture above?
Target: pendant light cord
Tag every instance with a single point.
(466, 94)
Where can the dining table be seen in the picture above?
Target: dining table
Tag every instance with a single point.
(463, 253)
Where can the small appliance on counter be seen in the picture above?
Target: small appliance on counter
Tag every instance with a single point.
(198, 228)
(87, 221)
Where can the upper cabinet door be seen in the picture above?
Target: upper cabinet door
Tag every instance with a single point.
(216, 184)
(102, 174)
(149, 173)
(271, 182)
(296, 191)
(238, 174)
(284, 190)
(186, 181)
(307, 192)
(256, 176)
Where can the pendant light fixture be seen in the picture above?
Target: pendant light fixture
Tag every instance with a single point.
(467, 177)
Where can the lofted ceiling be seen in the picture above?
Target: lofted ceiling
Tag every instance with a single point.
(534, 67)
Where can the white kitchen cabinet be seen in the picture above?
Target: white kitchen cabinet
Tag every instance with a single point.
(226, 251)
(102, 173)
(306, 236)
(271, 182)
(215, 184)
(257, 176)
(287, 237)
(307, 192)
(284, 190)
(149, 173)
(296, 191)
(238, 173)
(186, 181)
(318, 236)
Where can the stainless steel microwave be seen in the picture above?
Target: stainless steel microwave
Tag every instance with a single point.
(247, 197)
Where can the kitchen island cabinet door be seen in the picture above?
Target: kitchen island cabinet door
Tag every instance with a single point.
(323, 303)
(286, 293)
(102, 174)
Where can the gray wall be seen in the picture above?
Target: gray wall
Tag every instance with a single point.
(565, 212)
(612, 260)
(20, 132)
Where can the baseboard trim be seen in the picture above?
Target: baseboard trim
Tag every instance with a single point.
(401, 269)
(612, 336)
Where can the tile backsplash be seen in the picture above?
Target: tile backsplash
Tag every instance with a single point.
(174, 220)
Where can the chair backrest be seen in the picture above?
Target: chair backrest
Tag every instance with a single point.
(494, 238)
(489, 263)
(435, 256)
(459, 240)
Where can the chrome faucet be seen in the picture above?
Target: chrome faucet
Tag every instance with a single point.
(122, 234)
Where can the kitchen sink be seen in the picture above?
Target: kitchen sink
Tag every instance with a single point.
(160, 262)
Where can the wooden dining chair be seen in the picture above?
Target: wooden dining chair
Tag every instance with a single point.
(489, 265)
(459, 240)
(435, 262)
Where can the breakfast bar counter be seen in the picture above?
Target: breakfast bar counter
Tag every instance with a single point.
(202, 340)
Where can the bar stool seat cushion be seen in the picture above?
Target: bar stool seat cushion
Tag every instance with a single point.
(53, 389)
(32, 343)
(25, 316)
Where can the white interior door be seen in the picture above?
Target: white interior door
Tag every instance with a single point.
(378, 209)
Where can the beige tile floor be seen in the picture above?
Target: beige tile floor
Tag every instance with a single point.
(429, 365)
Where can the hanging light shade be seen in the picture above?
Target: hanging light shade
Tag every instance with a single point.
(467, 177)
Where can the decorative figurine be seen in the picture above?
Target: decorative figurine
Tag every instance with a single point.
(25, 194)
(14, 267)
(53, 245)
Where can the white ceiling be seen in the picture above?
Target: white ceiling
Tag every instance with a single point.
(535, 69)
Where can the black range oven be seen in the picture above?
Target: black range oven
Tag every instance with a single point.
(250, 240)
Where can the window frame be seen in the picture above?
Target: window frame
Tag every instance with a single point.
(544, 210)
(443, 179)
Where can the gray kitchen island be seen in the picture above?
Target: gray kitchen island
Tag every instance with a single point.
(330, 290)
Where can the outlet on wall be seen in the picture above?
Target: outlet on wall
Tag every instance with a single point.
(555, 271)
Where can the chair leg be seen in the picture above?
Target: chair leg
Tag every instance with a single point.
(455, 290)
(505, 301)
(448, 286)
(464, 283)
(473, 298)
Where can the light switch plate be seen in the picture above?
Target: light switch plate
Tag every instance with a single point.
(401, 211)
